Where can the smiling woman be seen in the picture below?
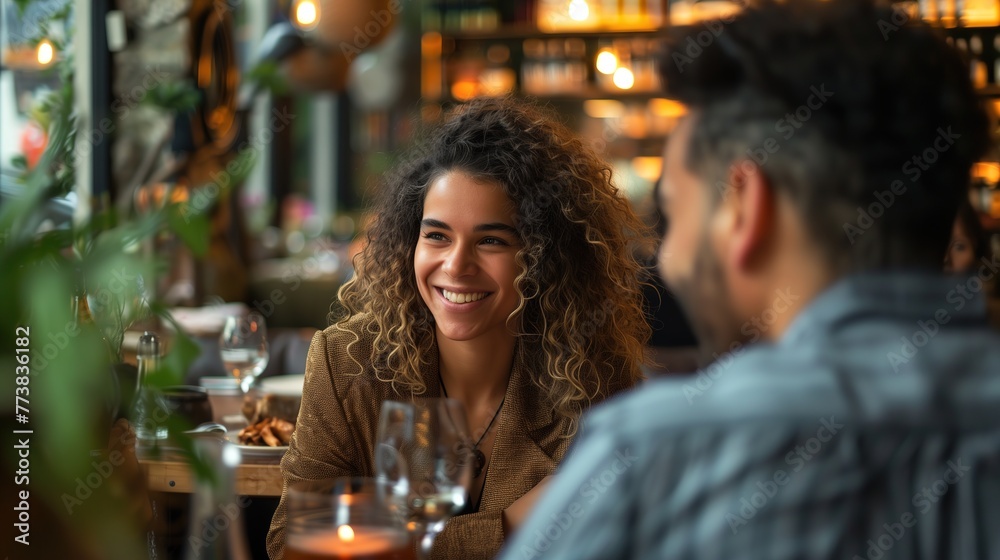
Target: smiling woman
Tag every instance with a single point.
(499, 272)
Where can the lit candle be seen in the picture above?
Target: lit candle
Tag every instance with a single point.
(347, 542)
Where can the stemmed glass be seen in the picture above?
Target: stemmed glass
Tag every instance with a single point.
(243, 347)
(423, 464)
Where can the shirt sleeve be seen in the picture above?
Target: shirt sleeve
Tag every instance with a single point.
(470, 537)
(573, 519)
(322, 445)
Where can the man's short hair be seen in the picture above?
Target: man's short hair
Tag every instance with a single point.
(866, 120)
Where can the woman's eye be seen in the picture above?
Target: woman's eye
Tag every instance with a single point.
(495, 241)
(433, 235)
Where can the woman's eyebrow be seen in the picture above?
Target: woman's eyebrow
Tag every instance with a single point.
(432, 223)
(496, 226)
(492, 226)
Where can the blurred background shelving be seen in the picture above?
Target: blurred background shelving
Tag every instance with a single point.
(297, 212)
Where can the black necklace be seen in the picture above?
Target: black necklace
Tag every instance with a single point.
(480, 459)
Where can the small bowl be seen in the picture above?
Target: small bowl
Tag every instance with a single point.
(189, 403)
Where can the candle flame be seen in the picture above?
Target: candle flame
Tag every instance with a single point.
(345, 533)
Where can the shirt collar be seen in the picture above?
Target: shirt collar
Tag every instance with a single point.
(900, 296)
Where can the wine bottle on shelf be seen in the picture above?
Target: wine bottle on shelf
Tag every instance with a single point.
(978, 70)
(633, 13)
(654, 10)
(532, 69)
(611, 11)
(946, 12)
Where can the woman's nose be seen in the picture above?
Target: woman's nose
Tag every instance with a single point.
(459, 261)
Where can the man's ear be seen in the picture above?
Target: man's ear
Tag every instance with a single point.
(750, 205)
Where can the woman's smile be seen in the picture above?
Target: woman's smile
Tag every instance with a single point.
(459, 297)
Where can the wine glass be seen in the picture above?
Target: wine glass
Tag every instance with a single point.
(423, 463)
(243, 347)
(342, 518)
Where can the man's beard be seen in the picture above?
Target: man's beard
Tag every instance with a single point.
(706, 303)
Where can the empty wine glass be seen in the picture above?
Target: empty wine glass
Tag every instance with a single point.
(423, 463)
(243, 347)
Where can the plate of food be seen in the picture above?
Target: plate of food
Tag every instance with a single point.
(269, 436)
(271, 421)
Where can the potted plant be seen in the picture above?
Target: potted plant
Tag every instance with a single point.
(77, 494)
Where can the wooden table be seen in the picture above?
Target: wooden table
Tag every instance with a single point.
(174, 475)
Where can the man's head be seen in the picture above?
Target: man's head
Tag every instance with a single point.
(823, 138)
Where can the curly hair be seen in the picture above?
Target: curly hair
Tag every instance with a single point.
(579, 282)
(864, 118)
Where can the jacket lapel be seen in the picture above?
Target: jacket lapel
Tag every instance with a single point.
(527, 445)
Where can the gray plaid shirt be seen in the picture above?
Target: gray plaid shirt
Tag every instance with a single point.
(870, 430)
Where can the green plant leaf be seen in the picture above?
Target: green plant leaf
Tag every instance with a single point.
(183, 352)
(268, 75)
(191, 226)
(176, 96)
(69, 373)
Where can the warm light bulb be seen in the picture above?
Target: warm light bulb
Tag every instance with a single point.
(649, 168)
(345, 533)
(623, 78)
(607, 62)
(579, 10)
(989, 172)
(603, 108)
(667, 108)
(45, 52)
(306, 13)
(464, 90)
